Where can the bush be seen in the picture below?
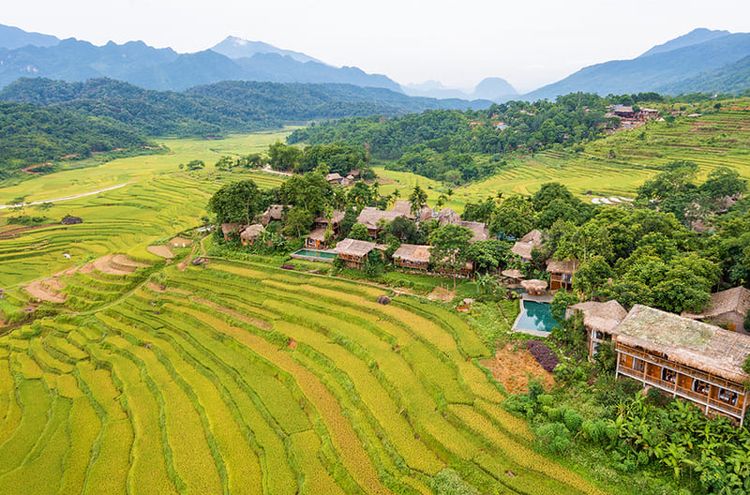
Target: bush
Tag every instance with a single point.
(553, 437)
(542, 354)
(449, 482)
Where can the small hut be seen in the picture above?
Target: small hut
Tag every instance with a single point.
(515, 276)
(526, 245)
(251, 234)
(728, 308)
(334, 178)
(412, 256)
(561, 273)
(600, 320)
(273, 213)
(71, 220)
(229, 229)
(534, 287)
(354, 252)
(316, 239)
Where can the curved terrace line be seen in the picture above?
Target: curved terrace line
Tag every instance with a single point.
(65, 198)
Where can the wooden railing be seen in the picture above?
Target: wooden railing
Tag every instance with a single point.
(683, 392)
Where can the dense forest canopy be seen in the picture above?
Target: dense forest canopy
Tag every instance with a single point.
(31, 135)
(216, 109)
(459, 146)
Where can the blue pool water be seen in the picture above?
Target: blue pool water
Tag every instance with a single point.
(536, 316)
(315, 253)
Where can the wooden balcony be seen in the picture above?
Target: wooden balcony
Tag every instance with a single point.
(671, 387)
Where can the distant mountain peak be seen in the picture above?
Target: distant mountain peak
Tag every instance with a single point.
(694, 37)
(12, 37)
(235, 47)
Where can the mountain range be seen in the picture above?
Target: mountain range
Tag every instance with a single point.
(667, 68)
(701, 60)
(25, 54)
(492, 88)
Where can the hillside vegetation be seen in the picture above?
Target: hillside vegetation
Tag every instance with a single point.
(30, 135)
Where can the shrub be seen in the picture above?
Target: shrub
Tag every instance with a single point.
(543, 354)
(553, 437)
(449, 482)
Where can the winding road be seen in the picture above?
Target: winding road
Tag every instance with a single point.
(66, 198)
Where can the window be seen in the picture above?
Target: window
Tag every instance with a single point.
(728, 396)
(700, 387)
(639, 364)
(668, 375)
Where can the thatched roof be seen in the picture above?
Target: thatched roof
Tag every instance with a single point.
(601, 316)
(274, 212)
(414, 253)
(426, 213)
(568, 267)
(354, 247)
(334, 177)
(447, 216)
(535, 237)
(736, 300)
(252, 232)
(534, 284)
(688, 342)
(479, 231)
(512, 273)
(336, 218)
(230, 228)
(403, 207)
(370, 217)
(527, 244)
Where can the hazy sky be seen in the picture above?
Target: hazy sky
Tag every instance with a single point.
(459, 42)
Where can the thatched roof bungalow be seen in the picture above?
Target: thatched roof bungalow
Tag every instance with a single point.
(479, 230)
(372, 218)
(353, 252)
(600, 320)
(686, 358)
(273, 213)
(534, 287)
(317, 238)
(334, 178)
(251, 234)
(728, 308)
(412, 256)
(229, 229)
(524, 247)
(561, 273)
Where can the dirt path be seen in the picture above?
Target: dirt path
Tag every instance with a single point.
(66, 198)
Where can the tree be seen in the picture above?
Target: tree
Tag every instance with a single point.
(226, 163)
(253, 160)
(449, 248)
(359, 231)
(723, 182)
(404, 230)
(592, 276)
(195, 165)
(418, 200)
(309, 191)
(513, 217)
(298, 221)
(481, 211)
(237, 202)
(488, 255)
(283, 157)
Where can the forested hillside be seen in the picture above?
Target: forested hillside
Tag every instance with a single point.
(32, 135)
(457, 146)
(218, 108)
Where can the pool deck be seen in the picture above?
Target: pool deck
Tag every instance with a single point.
(526, 297)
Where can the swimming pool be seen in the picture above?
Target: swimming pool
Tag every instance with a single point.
(535, 317)
(314, 254)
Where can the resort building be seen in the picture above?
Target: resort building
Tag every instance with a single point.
(317, 238)
(479, 231)
(727, 309)
(251, 234)
(600, 319)
(373, 219)
(685, 358)
(412, 256)
(561, 274)
(448, 216)
(229, 229)
(334, 178)
(354, 252)
(526, 245)
(274, 213)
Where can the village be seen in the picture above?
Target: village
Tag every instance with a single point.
(698, 357)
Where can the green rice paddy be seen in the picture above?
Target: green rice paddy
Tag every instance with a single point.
(244, 378)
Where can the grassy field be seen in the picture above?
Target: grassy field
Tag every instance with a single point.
(156, 201)
(241, 378)
(616, 165)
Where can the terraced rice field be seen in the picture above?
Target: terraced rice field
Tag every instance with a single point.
(614, 166)
(157, 202)
(240, 378)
